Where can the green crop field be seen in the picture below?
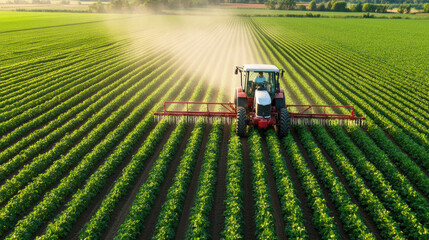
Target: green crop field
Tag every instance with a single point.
(82, 157)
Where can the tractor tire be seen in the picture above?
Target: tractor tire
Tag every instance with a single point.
(240, 128)
(284, 123)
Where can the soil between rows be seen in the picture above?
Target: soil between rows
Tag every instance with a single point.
(249, 228)
(216, 217)
(274, 197)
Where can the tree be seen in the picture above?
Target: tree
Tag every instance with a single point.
(96, 7)
(340, 6)
(302, 7)
(366, 7)
(329, 5)
(426, 8)
(404, 8)
(357, 8)
(312, 6)
(287, 4)
(321, 7)
(270, 4)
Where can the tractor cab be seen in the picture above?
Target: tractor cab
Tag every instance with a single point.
(250, 72)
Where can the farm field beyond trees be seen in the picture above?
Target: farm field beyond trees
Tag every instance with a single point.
(81, 156)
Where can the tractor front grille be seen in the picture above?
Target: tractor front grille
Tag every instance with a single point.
(263, 111)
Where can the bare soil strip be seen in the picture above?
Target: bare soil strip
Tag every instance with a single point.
(366, 218)
(329, 203)
(151, 220)
(216, 218)
(274, 197)
(192, 188)
(249, 228)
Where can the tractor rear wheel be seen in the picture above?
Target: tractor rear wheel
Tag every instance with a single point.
(240, 127)
(283, 130)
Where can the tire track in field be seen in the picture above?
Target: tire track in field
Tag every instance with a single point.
(249, 227)
(274, 197)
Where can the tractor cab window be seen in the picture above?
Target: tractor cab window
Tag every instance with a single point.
(267, 79)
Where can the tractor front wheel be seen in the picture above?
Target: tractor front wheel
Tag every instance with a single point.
(240, 127)
(283, 129)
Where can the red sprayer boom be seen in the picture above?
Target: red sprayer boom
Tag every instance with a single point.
(191, 111)
(311, 114)
(303, 114)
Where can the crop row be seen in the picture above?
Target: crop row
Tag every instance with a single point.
(398, 181)
(374, 178)
(233, 227)
(61, 147)
(168, 218)
(81, 199)
(100, 220)
(382, 217)
(199, 223)
(145, 198)
(349, 212)
(35, 189)
(413, 149)
(54, 133)
(55, 84)
(313, 69)
(263, 210)
(409, 168)
(322, 218)
(328, 95)
(291, 210)
(45, 209)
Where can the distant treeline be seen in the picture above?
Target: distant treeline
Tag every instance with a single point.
(314, 5)
(343, 6)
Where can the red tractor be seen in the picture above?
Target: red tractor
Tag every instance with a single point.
(259, 102)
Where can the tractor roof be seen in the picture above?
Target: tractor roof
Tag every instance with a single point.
(260, 68)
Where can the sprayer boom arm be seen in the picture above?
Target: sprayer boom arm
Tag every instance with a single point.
(305, 114)
(198, 109)
(298, 114)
